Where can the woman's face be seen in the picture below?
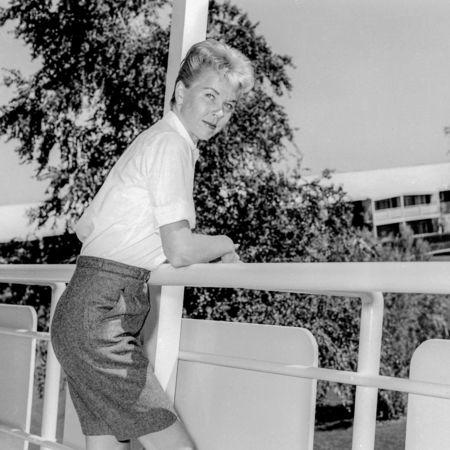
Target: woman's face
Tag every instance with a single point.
(206, 106)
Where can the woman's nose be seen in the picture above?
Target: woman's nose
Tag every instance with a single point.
(218, 112)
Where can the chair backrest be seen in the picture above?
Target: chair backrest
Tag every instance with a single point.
(228, 408)
(428, 418)
(17, 361)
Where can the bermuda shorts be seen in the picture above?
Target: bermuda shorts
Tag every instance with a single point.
(96, 336)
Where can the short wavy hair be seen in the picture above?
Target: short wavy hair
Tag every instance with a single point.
(222, 58)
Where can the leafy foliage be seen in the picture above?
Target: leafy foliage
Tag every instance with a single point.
(102, 82)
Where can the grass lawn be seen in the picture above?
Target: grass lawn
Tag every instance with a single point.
(389, 436)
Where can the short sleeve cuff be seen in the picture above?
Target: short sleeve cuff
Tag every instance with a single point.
(175, 213)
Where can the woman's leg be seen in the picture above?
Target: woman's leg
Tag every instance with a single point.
(174, 437)
(105, 442)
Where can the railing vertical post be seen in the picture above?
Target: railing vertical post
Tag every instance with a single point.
(52, 379)
(364, 422)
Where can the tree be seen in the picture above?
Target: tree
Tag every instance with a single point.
(102, 82)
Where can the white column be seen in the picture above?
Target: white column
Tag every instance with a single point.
(189, 19)
(371, 327)
(162, 334)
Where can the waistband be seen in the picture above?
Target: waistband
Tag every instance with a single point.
(113, 266)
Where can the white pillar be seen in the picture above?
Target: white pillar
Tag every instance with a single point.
(370, 334)
(189, 19)
(162, 334)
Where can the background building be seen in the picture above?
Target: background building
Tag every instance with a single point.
(387, 199)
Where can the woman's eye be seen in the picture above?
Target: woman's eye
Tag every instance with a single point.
(229, 107)
(210, 96)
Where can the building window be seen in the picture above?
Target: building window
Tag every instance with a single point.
(362, 214)
(412, 200)
(444, 198)
(388, 229)
(387, 203)
(424, 226)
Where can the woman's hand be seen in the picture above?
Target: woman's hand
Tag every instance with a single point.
(231, 257)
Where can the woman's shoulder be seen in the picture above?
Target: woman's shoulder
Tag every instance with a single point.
(160, 135)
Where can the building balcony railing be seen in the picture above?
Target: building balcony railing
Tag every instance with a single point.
(383, 216)
(421, 210)
(388, 214)
(366, 281)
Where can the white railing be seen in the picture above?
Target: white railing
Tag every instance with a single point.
(382, 216)
(422, 211)
(364, 280)
(402, 213)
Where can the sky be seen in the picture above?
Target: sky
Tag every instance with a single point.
(371, 87)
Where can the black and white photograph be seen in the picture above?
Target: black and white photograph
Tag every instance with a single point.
(224, 225)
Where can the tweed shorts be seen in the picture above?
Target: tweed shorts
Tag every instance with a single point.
(95, 333)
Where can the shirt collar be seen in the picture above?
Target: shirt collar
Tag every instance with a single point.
(176, 123)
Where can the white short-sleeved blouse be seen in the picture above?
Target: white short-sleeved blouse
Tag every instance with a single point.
(150, 185)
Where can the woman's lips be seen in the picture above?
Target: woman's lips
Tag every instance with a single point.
(213, 126)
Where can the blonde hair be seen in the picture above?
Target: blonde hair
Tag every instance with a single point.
(222, 58)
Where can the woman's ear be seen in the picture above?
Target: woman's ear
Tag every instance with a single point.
(179, 93)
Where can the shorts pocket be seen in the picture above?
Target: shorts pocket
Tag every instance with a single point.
(125, 315)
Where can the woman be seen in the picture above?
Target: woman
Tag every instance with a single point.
(142, 216)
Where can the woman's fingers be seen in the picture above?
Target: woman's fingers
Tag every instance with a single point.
(231, 257)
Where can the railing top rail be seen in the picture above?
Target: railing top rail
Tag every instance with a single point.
(409, 277)
(36, 273)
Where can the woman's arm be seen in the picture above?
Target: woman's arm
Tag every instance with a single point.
(182, 247)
